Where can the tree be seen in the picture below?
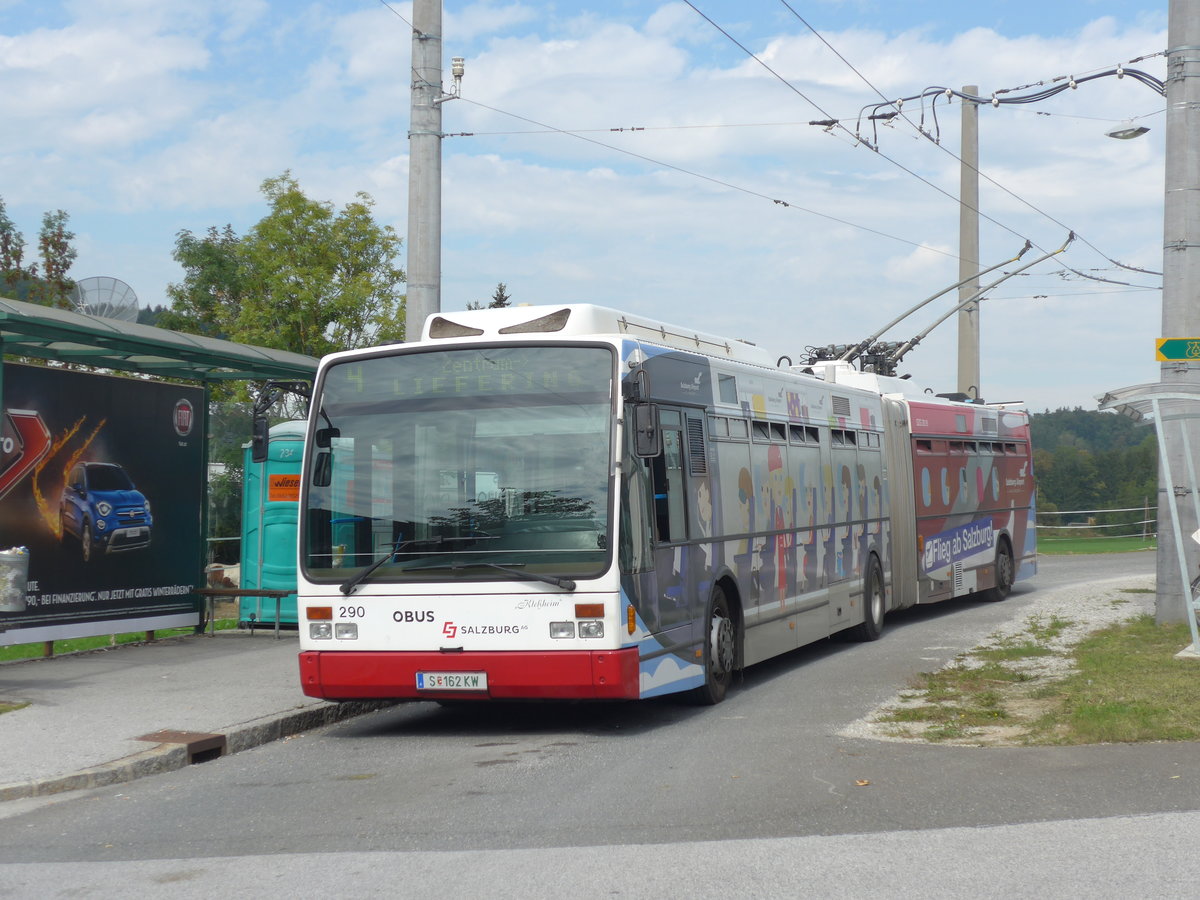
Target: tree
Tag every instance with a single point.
(1072, 480)
(12, 253)
(54, 246)
(151, 315)
(305, 278)
(229, 425)
(207, 300)
(53, 287)
(1095, 461)
(500, 299)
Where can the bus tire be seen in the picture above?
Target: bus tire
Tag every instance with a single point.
(874, 605)
(1005, 570)
(720, 650)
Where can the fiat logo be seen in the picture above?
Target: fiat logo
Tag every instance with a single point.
(184, 417)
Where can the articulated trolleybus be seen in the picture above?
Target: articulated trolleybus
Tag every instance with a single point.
(573, 502)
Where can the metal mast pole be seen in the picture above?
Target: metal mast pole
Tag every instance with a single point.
(425, 169)
(1181, 289)
(968, 247)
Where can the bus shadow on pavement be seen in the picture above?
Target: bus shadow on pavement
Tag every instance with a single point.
(499, 718)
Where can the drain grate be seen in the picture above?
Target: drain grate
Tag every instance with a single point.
(201, 747)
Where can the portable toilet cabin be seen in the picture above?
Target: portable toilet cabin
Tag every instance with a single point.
(270, 515)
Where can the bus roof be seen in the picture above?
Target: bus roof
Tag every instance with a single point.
(580, 319)
(841, 372)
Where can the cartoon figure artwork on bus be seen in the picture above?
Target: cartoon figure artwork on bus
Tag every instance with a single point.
(827, 564)
(847, 532)
(744, 553)
(877, 512)
(806, 535)
(863, 527)
(780, 516)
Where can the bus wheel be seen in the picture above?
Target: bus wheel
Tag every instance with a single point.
(1005, 570)
(874, 602)
(719, 650)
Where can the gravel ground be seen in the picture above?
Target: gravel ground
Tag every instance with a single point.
(1084, 609)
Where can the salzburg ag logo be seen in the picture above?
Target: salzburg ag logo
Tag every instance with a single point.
(450, 630)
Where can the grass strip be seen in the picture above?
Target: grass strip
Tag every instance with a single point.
(1128, 687)
(1125, 686)
(99, 642)
(1064, 546)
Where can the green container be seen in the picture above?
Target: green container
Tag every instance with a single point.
(270, 515)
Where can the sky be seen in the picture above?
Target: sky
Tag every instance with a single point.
(725, 211)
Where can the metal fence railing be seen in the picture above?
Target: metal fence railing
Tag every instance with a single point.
(1130, 523)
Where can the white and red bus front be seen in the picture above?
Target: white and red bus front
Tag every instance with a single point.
(457, 534)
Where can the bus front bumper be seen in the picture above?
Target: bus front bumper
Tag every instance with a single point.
(393, 675)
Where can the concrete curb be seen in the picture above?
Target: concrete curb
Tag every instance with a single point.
(169, 757)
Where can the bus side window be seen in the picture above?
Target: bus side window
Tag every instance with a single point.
(670, 522)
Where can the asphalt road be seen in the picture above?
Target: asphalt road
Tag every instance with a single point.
(756, 797)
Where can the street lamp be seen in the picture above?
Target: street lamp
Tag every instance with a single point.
(1126, 131)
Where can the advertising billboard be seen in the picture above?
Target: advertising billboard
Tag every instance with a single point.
(102, 482)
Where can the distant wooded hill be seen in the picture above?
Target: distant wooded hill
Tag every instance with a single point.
(1087, 460)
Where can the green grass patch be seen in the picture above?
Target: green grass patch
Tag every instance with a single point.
(1046, 630)
(1129, 687)
(958, 684)
(958, 699)
(1031, 643)
(99, 642)
(1023, 650)
(954, 715)
(5, 706)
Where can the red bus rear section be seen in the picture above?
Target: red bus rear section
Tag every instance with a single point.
(561, 675)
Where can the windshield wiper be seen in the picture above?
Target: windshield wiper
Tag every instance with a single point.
(359, 577)
(423, 543)
(556, 580)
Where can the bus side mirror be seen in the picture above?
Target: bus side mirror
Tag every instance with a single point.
(647, 435)
(323, 469)
(259, 439)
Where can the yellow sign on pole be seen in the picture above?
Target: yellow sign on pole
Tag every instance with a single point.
(1172, 349)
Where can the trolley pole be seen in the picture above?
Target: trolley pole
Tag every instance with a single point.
(425, 169)
(968, 248)
(1181, 295)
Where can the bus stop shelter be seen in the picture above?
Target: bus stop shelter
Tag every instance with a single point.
(62, 336)
(1162, 404)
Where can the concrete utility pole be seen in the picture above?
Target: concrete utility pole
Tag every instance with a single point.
(425, 168)
(968, 247)
(1181, 289)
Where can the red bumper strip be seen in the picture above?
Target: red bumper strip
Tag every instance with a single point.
(564, 674)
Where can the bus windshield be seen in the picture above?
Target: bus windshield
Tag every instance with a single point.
(483, 462)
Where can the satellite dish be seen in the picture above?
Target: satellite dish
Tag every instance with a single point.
(108, 298)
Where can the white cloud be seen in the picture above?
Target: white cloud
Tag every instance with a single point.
(920, 267)
(142, 117)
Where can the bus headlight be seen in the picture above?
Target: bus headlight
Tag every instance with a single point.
(320, 631)
(593, 628)
(346, 631)
(562, 629)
